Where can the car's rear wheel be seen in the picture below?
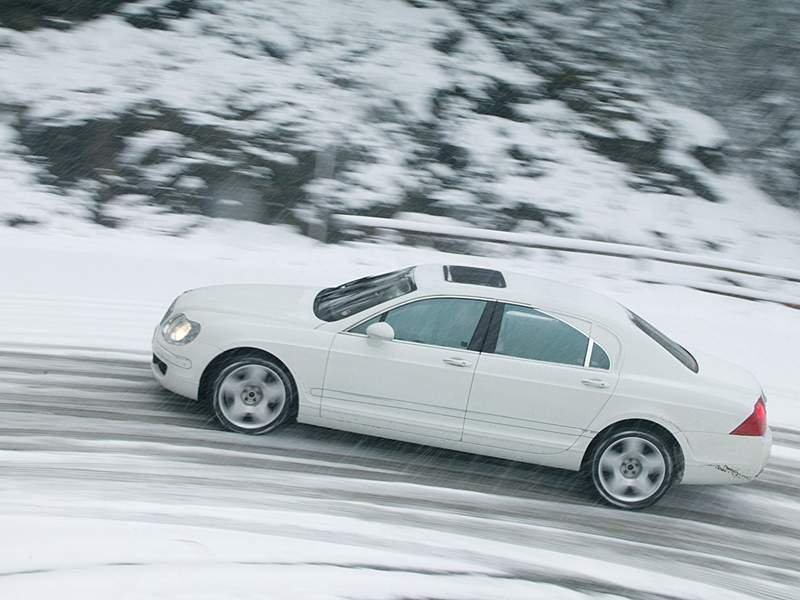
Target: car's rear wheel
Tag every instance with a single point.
(632, 469)
(252, 394)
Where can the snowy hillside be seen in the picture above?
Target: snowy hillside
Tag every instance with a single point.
(162, 113)
(153, 146)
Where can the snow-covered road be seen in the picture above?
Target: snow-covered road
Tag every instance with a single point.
(110, 486)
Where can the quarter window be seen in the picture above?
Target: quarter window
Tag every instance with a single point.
(599, 358)
(529, 333)
(449, 322)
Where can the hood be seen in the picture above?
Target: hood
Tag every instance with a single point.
(277, 303)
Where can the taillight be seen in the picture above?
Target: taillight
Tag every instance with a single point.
(756, 423)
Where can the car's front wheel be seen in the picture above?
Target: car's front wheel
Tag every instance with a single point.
(632, 469)
(252, 394)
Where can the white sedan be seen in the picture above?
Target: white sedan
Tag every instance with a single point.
(471, 359)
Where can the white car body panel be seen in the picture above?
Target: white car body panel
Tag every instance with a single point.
(410, 387)
(278, 304)
(532, 406)
(496, 405)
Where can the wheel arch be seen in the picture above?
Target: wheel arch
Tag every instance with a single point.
(639, 424)
(206, 378)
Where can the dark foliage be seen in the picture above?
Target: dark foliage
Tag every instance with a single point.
(30, 14)
(263, 190)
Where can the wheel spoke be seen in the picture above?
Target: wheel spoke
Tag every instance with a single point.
(238, 410)
(616, 483)
(646, 485)
(254, 374)
(609, 462)
(652, 462)
(633, 487)
(230, 388)
(273, 391)
(259, 414)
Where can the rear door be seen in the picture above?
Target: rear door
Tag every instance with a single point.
(539, 383)
(417, 383)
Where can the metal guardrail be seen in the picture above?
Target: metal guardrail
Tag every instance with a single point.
(541, 241)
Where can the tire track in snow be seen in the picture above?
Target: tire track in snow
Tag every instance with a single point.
(75, 429)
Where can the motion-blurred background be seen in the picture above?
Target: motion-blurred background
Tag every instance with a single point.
(668, 123)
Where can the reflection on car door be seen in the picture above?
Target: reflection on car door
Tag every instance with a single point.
(534, 391)
(417, 383)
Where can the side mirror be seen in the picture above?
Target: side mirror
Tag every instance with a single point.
(380, 331)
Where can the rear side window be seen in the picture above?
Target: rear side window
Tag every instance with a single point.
(674, 348)
(529, 333)
(449, 322)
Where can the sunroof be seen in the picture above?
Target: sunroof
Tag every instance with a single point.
(474, 276)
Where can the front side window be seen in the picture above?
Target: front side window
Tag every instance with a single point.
(674, 348)
(449, 322)
(333, 304)
(529, 333)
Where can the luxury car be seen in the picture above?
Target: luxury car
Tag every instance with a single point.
(475, 360)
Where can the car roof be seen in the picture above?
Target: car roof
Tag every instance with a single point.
(541, 292)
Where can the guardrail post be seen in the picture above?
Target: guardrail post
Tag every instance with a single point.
(320, 227)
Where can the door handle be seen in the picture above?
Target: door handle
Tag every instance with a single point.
(456, 362)
(597, 383)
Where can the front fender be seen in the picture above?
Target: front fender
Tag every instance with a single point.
(304, 351)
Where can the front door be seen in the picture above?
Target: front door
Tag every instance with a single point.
(417, 383)
(535, 390)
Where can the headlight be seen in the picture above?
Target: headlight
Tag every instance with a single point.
(168, 314)
(180, 330)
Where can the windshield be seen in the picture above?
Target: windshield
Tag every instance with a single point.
(332, 304)
(674, 348)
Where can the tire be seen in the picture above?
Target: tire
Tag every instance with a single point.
(252, 394)
(632, 469)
